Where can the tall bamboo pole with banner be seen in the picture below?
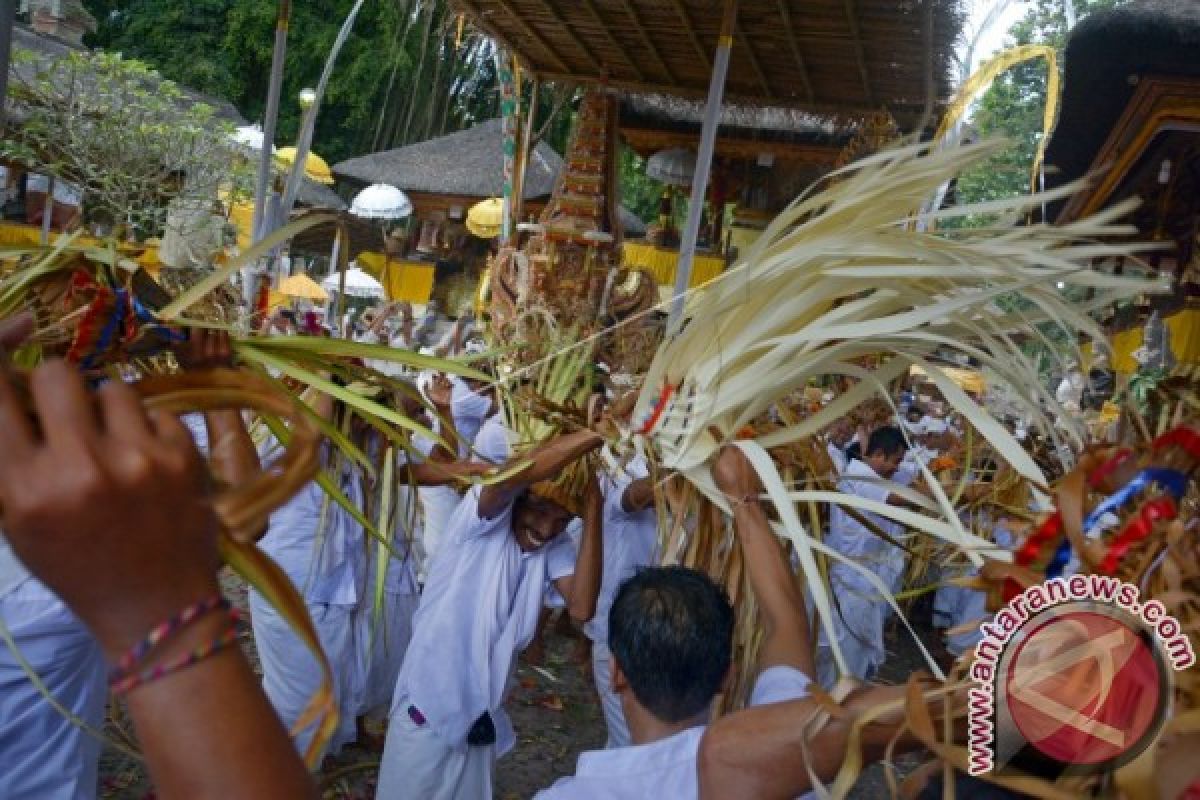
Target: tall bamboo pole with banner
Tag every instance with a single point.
(708, 142)
(510, 112)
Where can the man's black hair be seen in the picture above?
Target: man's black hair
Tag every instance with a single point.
(671, 630)
(888, 440)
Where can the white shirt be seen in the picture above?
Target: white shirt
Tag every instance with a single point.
(479, 609)
(469, 410)
(666, 768)
(401, 576)
(396, 342)
(846, 534)
(317, 543)
(492, 443)
(630, 542)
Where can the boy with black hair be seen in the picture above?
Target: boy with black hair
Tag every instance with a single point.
(861, 611)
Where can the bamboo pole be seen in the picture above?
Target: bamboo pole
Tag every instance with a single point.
(526, 149)
(8, 12)
(271, 117)
(309, 123)
(708, 141)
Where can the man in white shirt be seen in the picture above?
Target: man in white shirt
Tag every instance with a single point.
(469, 407)
(671, 636)
(43, 753)
(861, 611)
(630, 543)
(503, 552)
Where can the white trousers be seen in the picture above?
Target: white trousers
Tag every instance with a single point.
(610, 701)
(43, 756)
(418, 765)
(382, 647)
(291, 674)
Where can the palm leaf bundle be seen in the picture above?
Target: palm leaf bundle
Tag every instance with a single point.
(95, 307)
(842, 278)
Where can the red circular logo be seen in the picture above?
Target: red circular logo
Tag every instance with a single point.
(1085, 687)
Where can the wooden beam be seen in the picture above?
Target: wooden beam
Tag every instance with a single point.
(479, 21)
(604, 28)
(691, 32)
(696, 92)
(754, 62)
(856, 36)
(524, 26)
(648, 42)
(645, 141)
(790, 31)
(578, 42)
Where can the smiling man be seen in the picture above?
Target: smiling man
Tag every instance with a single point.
(504, 550)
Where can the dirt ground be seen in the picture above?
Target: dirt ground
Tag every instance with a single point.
(554, 710)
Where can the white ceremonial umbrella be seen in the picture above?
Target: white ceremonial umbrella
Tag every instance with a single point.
(251, 137)
(674, 167)
(358, 284)
(381, 201)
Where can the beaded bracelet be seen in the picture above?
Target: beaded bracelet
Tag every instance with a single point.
(161, 631)
(126, 683)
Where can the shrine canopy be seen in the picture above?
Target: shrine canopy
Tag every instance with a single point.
(834, 57)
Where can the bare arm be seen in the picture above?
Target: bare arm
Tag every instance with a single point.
(441, 394)
(786, 640)
(767, 752)
(441, 473)
(545, 462)
(583, 587)
(114, 517)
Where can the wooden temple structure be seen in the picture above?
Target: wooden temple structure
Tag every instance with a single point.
(813, 72)
(1131, 119)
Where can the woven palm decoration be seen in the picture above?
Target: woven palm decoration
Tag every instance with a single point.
(843, 278)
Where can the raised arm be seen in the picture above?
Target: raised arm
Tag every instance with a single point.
(545, 462)
(769, 752)
(786, 639)
(582, 588)
(232, 455)
(109, 508)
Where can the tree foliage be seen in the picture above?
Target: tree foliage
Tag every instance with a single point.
(407, 73)
(114, 128)
(403, 76)
(1014, 105)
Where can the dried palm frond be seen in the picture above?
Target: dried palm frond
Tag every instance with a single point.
(842, 278)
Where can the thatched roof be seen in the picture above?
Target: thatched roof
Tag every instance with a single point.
(840, 56)
(762, 121)
(316, 195)
(1106, 55)
(49, 49)
(466, 163)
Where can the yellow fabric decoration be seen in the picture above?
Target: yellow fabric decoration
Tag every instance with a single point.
(662, 263)
(978, 83)
(403, 280)
(1185, 342)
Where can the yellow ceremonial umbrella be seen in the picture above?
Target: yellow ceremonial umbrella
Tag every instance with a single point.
(315, 167)
(485, 219)
(302, 287)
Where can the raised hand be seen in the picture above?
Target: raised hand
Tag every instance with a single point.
(734, 474)
(205, 349)
(106, 505)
